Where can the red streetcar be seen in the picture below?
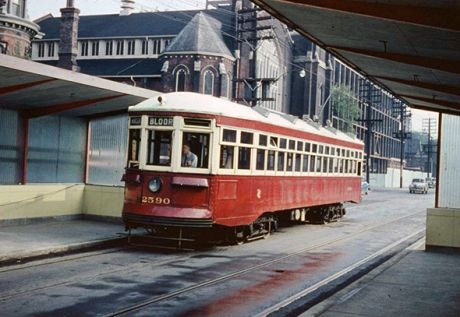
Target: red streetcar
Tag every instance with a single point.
(204, 167)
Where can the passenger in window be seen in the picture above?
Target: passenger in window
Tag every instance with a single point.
(189, 159)
(226, 160)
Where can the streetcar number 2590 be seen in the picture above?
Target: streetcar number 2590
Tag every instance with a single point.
(155, 200)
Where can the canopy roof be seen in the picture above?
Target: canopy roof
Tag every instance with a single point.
(411, 47)
(37, 90)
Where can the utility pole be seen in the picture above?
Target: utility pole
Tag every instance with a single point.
(369, 122)
(249, 36)
(429, 127)
(400, 109)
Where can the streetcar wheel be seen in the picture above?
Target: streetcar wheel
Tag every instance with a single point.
(326, 217)
(240, 236)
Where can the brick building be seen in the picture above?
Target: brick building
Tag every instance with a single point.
(197, 50)
(378, 109)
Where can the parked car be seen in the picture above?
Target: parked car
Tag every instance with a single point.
(365, 188)
(431, 181)
(418, 185)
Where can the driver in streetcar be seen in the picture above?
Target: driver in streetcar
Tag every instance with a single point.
(189, 159)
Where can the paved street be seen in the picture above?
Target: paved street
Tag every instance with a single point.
(241, 280)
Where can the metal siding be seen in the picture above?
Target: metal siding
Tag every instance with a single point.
(56, 150)
(71, 154)
(107, 153)
(449, 169)
(10, 147)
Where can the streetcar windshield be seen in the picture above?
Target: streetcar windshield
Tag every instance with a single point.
(159, 146)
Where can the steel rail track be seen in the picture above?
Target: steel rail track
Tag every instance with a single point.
(90, 277)
(234, 274)
(291, 299)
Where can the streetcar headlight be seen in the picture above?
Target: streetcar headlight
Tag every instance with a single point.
(155, 184)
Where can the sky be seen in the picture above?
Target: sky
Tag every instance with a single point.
(39, 8)
(87, 7)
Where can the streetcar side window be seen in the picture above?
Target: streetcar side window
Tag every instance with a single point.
(229, 136)
(226, 156)
(324, 164)
(260, 160)
(318, 164)
(262, 140)
(271, 160)
(244, 158)
(291, 145)
(195, 150)
(298, 158)
(331, 165)
(299, 146)
(281, 161)
(246, 137)
(283, 143)
(314, 148)
(133, 148)
(159, 146)
(307, 147)
(305, 163)
(312, 163)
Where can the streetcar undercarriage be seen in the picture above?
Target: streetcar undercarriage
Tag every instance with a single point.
(193, 237)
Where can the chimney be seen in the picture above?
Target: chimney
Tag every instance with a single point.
(68, 45)
(127, 7)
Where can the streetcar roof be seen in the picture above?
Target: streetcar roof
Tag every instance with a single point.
(190, 102)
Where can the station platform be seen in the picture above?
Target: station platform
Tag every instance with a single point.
(24, 242)
(420, 283)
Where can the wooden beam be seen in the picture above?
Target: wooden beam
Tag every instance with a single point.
(453, 90)
(428, 62)
(38, 112)
(440, 17)
(14, 88)
(444, 103)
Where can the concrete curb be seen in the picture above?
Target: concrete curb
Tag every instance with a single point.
(61, 250)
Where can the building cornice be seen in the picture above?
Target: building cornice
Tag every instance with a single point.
(16, 23)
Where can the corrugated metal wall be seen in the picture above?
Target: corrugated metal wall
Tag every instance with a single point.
(10, 147)
(108, 146)
(449, 168)
(56, 150)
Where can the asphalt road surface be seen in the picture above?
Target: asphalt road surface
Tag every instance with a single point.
(246, 280)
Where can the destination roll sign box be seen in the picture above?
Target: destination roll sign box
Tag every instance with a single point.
(161, 121)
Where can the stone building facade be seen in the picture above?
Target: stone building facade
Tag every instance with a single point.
(16, 31)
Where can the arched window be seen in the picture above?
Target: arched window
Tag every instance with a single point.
(208, 83)
(180, 80)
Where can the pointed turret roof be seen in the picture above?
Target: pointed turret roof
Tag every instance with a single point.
(201, 35)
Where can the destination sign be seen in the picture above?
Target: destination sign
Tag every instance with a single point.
(161, 121)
